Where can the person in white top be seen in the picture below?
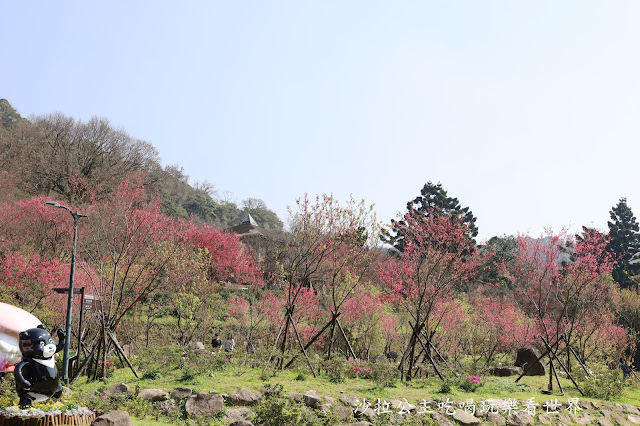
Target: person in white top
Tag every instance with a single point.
(229, 344)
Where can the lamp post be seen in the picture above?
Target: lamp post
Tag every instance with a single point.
(65, 358)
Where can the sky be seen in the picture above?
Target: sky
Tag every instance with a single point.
(527, 112)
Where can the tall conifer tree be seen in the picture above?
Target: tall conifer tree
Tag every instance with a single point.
(624, 234)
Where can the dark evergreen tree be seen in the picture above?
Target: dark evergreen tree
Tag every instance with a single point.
(624, 243)
(433, 199)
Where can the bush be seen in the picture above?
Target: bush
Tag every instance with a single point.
(281, 411)
(604, 384)
(384, 374)
(470, 383)
(336, 370)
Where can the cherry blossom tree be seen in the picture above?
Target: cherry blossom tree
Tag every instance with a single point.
(437, 256)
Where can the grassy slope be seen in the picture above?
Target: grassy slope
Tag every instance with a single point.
(235, 377)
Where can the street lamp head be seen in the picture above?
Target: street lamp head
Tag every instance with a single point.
(52, 203)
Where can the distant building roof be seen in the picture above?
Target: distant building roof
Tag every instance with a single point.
(249, 219)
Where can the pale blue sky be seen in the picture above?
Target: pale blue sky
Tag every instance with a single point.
(528, 112)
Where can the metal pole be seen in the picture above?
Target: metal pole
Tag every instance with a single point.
(65, 357)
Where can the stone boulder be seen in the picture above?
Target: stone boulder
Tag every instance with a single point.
(153, 395)
(519, 418)
(465, 418)
(527, 358)
(117, 389)
(506, 370)
(245, 397)
(350, 401)
(197, 346)
(232, 415)
(114, 418)
(312, 398)
(168, 407)
(181, 393)
(204, 404)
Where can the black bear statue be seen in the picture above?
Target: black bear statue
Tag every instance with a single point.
(36, 375)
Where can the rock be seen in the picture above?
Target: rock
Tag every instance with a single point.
(204, 404)
(117, 389)
(324, 409)
(465, 418)
(603, 421)
(367, 413)
(563, 418)
(169, 406)
(113, 418)
(363, 423)
(545, 419)
(506, 370)
(350, 401)
(153, 395)
(404, 406)
(631, 409)
(296, 396)
(312, 398)
(271, 390)
(583, 420)
(620, 419)
(441, 419)
(496, 419)
(519, 418)
(330, 399)
(232, 415)
(196, 346)
(241, 423)
(245, 397)
(342, 413)
(181, 393)
(527, 358)
(633, 419)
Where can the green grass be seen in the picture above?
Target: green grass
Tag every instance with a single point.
(236, 376)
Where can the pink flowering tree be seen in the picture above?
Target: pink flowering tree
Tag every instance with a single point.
(561, 283)
(327, 250)
(437, 256)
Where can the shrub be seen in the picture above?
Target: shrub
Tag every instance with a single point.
(470, 383)
(281, 411)
(384, 374)
(336, 370)
(603, 384)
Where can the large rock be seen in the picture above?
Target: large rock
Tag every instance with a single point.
(114, 418)
(506, 370)
(204, 404)
(402, 405)
(465, 418)
(168, 407)
(342, 413)
(198, 346)
(117, 389)
(496, 419)
(181, 393)
(519, 418)
(350, 401)
(527, 358)
(312, 398)
(441, 419)
(245, 397)
(233, 415)
(153, 395)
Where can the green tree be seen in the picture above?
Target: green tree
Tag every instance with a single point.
(266, 218)
(433, 200)
(8, 115)
(624, 243)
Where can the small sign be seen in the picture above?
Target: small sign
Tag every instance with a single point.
(91, 303)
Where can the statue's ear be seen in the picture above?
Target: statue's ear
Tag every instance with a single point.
(41, 326)
(24, 336)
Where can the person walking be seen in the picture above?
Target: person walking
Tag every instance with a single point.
(229, 344)
(216, 343)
